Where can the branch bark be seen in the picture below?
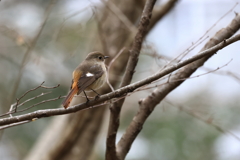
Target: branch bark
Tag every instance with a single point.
(148, 104)
(129, 88)
(77, 137)
(134, 52)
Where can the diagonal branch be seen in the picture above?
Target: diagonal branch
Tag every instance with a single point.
(148, 104)
(124, 90)
(207, 121)
(134, 52)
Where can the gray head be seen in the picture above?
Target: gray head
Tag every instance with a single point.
(96, 56)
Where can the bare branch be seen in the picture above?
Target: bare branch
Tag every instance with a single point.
(11, 111)
(44, 101)
(122, 91)
(50, 87)
(187, 51)
(104, 103)
(110, 65)
(82, 135)
(225, 73)
(207, 121)
(148, 104)
(16, 105)
(134, 52)
(15, 124)
(233, 75)
(201, 39)
(168, 81)
(18, 99)
(13, 107)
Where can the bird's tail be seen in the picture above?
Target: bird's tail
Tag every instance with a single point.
(69, 97)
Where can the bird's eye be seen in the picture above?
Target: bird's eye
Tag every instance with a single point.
(100, 57)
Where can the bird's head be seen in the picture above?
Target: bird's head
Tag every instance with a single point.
(96, 57)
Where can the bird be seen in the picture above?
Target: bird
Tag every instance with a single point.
(89, 75)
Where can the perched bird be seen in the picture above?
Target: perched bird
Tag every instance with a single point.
(90, 75)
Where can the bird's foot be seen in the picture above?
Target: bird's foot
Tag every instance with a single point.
(97, 97)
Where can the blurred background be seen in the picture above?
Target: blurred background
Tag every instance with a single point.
(189, 132)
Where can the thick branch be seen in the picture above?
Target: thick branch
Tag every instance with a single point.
(119, 92)
(148, 104)
(134, 52)
(115, 111)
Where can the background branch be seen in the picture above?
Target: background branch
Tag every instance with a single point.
(117, 36)
(107, 26)
(148, 104)
(130, 88)
(30, 49)
(134, 52)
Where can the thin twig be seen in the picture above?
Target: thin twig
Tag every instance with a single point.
(29, 50)
(30, 90)
(42, 94)
(207, 121)
(49, 100)
(114, 59)
(181, 79)
(115, 108)
(110, 65)
(14, 124)
(201, 39)
(119, 92)
(40, 86)
(28, 100)
(223, 73)
(13, 107)
(18, 99)
(147, 105)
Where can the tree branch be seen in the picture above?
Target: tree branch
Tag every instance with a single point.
(116, 35)
(134, 52)
(207, 121)
(148, 104)
(124, 90)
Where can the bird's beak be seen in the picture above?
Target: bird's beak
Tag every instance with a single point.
(105, 57)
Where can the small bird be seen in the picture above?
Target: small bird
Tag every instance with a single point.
(90, 75)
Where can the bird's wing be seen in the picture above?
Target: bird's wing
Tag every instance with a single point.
(89, 76)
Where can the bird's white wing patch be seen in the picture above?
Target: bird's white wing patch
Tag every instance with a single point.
(89, 74)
